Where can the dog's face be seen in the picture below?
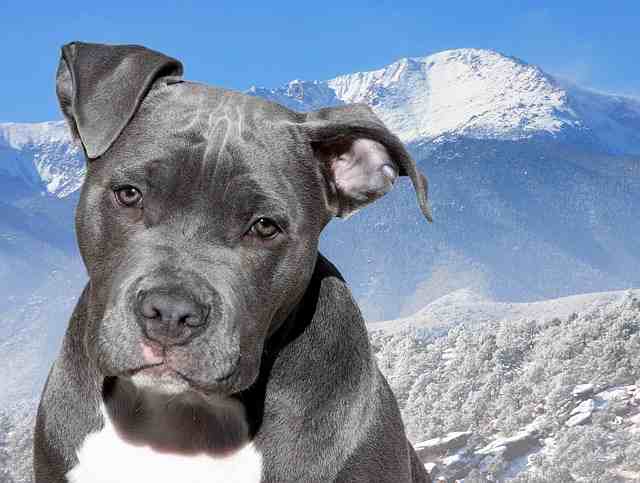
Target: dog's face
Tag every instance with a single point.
(194, 239)
(201, 211)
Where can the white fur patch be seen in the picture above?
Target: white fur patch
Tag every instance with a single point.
(104, 457)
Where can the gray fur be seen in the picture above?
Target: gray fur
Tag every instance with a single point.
(283, 335)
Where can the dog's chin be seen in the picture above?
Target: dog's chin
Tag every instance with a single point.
(163, 379)
(166, 382)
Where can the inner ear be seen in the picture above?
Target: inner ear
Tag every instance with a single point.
(357, 170)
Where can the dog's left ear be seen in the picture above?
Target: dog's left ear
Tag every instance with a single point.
(360, 158)
(100, 88)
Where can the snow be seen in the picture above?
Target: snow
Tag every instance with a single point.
(477, 92)
(616, 393)
(42, 154)
(473, 93)
(584, 407)
(582, 390)
(578, 419)
(453, 459)
(515, 445)
(472, 308)
(449, 355)
(452, 440)
(635, 423)
(18, 135)
(571, 418)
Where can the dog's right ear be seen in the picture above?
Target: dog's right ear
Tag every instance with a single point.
(100, 88)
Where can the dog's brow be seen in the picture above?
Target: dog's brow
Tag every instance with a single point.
(134, 172)
(247, 193)
(152, 172)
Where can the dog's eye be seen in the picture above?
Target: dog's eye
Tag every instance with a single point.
(128, 196)
(265, 228)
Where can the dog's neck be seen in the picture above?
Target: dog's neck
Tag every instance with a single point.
(186, 423)
(294, 324)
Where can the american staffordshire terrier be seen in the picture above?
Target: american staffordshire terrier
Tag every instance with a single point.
(213, 342)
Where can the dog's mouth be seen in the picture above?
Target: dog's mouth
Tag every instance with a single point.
(163, 377)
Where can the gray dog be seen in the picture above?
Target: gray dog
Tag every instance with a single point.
(213, 343)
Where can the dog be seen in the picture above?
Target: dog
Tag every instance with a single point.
(213, 342)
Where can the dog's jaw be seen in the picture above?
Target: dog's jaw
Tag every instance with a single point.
(165, 382)
(105, 457)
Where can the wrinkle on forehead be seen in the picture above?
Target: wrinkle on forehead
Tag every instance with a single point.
(225, 125)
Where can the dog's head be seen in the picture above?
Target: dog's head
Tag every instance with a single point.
(200, 213)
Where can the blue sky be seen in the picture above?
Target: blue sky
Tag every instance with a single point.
(237, 44)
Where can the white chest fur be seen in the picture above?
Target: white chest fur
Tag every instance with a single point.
(104, 457)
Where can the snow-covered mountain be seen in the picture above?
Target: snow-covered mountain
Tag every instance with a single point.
(465, 93)
(41, 156)
(477, 94)
(535, 182)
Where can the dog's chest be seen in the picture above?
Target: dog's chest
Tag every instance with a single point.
(105, 457)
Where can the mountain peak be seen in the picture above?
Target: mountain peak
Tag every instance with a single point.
(472, 92)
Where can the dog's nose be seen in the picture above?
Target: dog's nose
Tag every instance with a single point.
(171, 318)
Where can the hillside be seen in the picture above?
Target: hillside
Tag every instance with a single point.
(533, 395)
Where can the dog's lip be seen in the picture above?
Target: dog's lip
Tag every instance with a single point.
(135, 370)
(222, 384)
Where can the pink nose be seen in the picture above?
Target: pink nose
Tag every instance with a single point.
(151, 355)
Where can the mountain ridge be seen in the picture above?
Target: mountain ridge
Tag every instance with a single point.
(457, 93)
(507, 99)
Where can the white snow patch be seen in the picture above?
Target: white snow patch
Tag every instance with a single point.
(578, 419)
(518, 443)
(617, 393)
(582, 390)
(584, 407)
(444, 440)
